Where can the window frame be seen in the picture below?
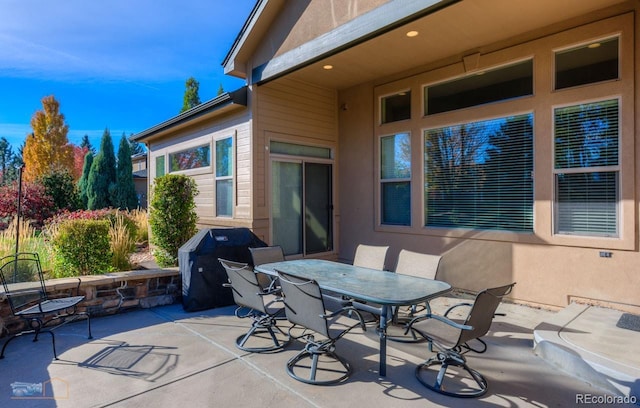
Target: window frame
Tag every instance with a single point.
(544, 99)
(581, 44)
(468, 75)
(227, 178)
(505, 115)
(381, 111)
(617, 169)
(192, 170)
(382, 181)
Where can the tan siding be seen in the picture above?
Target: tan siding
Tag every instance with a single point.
(238, 126)
(291, 111)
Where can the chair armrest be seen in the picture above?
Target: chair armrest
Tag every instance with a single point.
(456, 306)
(271, 290)
(439, 318)
(350, 311)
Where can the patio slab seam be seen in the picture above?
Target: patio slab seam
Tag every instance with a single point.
(241, 357)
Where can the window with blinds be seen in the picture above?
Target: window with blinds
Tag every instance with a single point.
(586, 169)
(479, 175)
(395, 179)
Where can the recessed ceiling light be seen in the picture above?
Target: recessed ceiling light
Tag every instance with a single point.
(594, 45)
(328, 67)
(412, 33)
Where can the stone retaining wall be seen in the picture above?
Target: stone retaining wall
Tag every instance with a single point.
(107, 294)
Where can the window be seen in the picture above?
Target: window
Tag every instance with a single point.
(396, 107)
(586, 168)
(479, 175)
(188, 159)
(160, 166)
(299, 150)
(587, 64)
(395, 178)
(224, 177)
(489, 86)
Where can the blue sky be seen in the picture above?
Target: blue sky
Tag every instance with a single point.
(116, 64)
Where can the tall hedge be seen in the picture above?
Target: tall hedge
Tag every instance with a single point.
(172, 216)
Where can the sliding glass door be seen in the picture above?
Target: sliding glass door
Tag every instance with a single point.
(301, 206)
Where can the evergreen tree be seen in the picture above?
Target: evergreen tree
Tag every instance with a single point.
(191, 97)
(60, 186)
(102, 176)
(220, 90)
(124, 196)
(136, 147)
(8, 171)
(87, 143)
(84, 180)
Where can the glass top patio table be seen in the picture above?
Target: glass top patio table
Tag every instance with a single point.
(371, 285)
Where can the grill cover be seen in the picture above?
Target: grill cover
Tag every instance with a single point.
(201, 272)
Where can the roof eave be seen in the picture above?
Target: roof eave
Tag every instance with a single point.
(237, 98)
(376, 22)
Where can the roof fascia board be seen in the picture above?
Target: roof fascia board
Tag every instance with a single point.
(237, 97)
(230, 63)
(370, 25)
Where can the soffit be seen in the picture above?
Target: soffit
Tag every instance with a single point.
(460, 29)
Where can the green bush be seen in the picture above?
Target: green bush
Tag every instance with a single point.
(81, 247)
(172, 216)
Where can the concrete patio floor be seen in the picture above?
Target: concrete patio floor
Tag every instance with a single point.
(165, 357)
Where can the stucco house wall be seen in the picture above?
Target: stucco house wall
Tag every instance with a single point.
(550, 269)
(284, 51)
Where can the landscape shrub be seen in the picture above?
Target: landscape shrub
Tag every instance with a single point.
(141, 220)
(60, 186)
(81, 247)
(122, 240)
(37, 205)
(172, 216)
(108, 214)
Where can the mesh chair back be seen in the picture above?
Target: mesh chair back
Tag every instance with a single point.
(303, 303)
(369, 256)
(244, 285)
(417, 264)
(22, 280)
(482, 311)
(265, 255)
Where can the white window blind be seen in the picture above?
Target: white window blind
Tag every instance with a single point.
(479, 175)
(586, 168)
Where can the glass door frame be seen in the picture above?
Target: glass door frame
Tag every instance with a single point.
(273, 157)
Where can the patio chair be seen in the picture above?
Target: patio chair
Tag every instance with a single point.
(262, 306)
(369, 256)
(452, 342)
(263, 255)
(422, 266)
(304, 307)
(26, 292)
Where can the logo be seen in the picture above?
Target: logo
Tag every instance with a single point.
(53, 389)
